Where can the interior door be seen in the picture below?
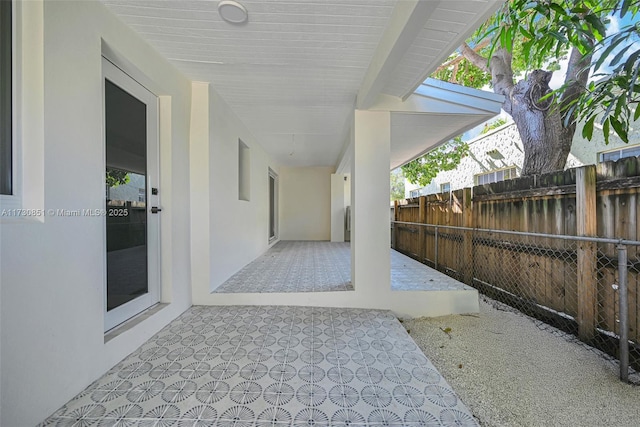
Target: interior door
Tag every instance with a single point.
(273, 206)
(131, 196)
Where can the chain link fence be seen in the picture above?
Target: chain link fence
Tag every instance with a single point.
(585, 287)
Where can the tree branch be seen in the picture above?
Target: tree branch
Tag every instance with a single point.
(502, 76)
(575, 81)
(457, 60)
(474, 57)
(575, 85)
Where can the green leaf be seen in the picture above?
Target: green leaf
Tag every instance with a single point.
(557, 9)
(596, 24)
(619, 56)
(605, 131)
(628, 66)
(619, 104)
(509, 39)
(619, 128)
(605, 54)
(525, 32)
(632, 84)
(624, 8)
(569, 115)
(492, 48)
(636, 115)
(560, 37)
(487, 33)
(532, 21)
(610, 104)
(587, 130)
(579, 10)
(503, 38)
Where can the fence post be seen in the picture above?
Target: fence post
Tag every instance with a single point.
(435, 243)
(467, 245)
(394, 232)
(422, 219)
(587, 251)
(624, 312)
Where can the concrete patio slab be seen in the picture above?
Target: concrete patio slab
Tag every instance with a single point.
(407, 274)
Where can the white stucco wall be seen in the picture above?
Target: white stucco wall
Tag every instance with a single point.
(502, 148)
(305, 203)
(239, 228)
(338, 182)
(504, 140)
(227, 233)
(52, 271)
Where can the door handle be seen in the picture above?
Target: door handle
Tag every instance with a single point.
(155, 209)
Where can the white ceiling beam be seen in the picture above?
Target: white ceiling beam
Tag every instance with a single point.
(492, 6)
(407, 20)
(438, 97)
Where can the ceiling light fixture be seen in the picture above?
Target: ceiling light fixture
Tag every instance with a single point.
(232, 12)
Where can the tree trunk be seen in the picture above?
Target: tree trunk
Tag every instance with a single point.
(546, 142)
(541, 123)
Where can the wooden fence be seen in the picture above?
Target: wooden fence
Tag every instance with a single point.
(540, 204)
(575, 279)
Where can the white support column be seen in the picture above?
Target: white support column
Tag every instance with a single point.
(200, 184)
(337, 207)
(371, 261)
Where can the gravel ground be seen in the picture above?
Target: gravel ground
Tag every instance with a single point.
(509, 372)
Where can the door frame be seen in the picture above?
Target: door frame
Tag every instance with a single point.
(126, 311)
(273, 175)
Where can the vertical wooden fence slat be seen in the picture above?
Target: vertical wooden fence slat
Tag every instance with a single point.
(481, 252)
(431, 247)
(467, 252)
(492, 250)
(557, 264)
(571, 281)
(606, 313)
(621, 228)
(422, 219)
(587, 253)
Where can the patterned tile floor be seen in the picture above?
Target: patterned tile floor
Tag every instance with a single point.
(271, 366)
(305, 266)
(295, 266)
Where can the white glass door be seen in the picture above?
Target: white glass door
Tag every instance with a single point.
(131, 196)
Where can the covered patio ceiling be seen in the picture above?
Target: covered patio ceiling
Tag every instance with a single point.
(295, 71)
